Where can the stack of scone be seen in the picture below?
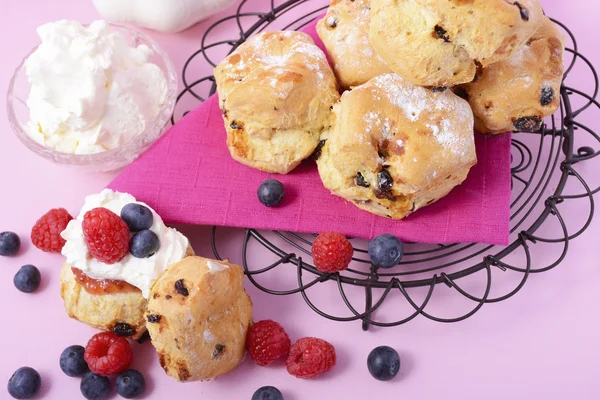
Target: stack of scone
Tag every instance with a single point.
(418, 75)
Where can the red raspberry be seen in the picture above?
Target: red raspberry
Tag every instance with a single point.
(332, 252)
(107, 354)
(45, 234)
(267, 341)
(106, 235)
(310, 357)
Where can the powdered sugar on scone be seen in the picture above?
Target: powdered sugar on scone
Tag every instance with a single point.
(344, 31)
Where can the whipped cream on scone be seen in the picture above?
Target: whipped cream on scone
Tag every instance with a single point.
(139, 272)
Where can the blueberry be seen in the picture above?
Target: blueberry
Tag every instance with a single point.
(130, 384)
(9, 244)
(385, 251)
(267, 393)
(27, 279)
(271, 192)
(383, 363)
(137, 217)
(144, 244)
(72, 362)
(94, 387)
(24, 383)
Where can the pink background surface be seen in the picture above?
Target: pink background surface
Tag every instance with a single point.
(541, 344)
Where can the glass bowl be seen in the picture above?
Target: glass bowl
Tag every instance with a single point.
(18, 114)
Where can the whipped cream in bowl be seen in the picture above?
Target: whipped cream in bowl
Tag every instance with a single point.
(139, 272)
(93, 96)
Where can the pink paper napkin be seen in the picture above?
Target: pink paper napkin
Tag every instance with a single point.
(188, 177)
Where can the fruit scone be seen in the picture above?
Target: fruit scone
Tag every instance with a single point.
(395, 147)
(198, 318)
(275, 91)
(516, 94)
(345, 33)
(446, 40)
(115, 251)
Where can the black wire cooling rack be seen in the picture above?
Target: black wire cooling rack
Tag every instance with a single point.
(545, 182)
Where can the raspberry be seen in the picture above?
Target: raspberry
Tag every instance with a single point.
(107, 354)
(332, 252)
(267, 341)
(45, 234)
(106, 235)
(310, 357)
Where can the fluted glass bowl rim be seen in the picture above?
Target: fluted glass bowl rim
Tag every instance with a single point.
(110, 159)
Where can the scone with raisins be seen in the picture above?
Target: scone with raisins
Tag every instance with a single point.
(345, 33)
(445, 40)
(198, 317)
(518, 93)
(275, 91)
(395, 147)
(106, 305)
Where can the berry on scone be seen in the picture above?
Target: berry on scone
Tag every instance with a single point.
(310, 357)
(267, 341)
(332, 252)
(108, 354)
(271, 192)
(267, 393)
(72, 362)
(383, 363)
(106, 235)
(10, 243)
(24, 383)
(385, 251)
(144, 244)
(94, 386)
(45, 234)
(137, 217)
(130, 384)
(27, 279)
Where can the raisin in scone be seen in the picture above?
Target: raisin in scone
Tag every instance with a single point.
(518, 93)
(446, 40)
(395, 147)
(198, 317)
(275, 91)
(345, 33)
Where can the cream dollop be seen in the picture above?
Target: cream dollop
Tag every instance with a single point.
(139, 272)
(90, 91)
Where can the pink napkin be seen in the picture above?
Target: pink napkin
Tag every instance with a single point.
(188, 177)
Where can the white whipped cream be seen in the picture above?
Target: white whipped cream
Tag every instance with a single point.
(139, 272)
(90, 91)
(214, 267)
(161, 15)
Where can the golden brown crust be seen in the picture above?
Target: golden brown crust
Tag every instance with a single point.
(517, 93)
(345, 33)
(446, 40)
(198, 320)
(102, 311)
(394, 147)
(275, 91)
